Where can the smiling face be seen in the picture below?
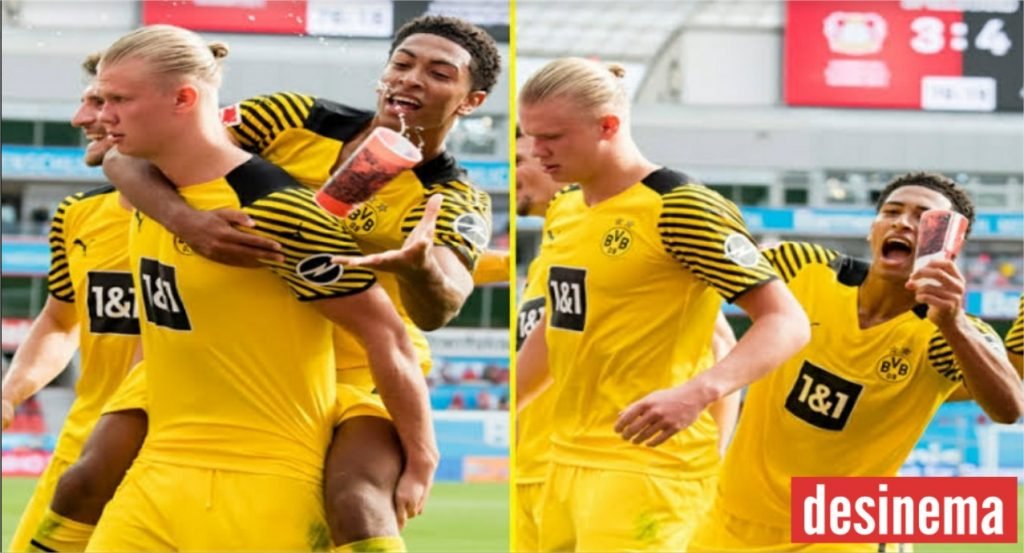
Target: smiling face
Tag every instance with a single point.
(893, 236)
(427, 83)
(567, 140)
(87, 118)
(139, 107)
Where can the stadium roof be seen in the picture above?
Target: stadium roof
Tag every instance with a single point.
(627, 31)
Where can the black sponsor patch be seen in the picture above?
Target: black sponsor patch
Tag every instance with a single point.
(160, 295)
(111, 303)
(568, 289)
(531, 313)
(821, 398)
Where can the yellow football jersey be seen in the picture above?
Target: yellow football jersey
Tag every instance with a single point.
(241, 375)
(1015, 337)
(304, 135)
(89, 267)
(633, 286)
(533, 432)
(853, 402)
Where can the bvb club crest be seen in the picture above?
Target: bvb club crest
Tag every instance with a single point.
(894, 367)
(618, 239)
(363, 219)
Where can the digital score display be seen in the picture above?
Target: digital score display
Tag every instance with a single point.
(954, 55)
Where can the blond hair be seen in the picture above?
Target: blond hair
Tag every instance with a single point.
(170, 51)
(91, 63)
(591, 84)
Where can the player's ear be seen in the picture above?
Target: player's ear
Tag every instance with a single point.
(471, 102)
(610, 124)
(186, 97)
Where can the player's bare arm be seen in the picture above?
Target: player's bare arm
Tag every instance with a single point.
(532, 373)
(780, 328)
(49, 346)
(989, 376)
(212, 234)
(725, 411)
(397, 376)
(433, 282)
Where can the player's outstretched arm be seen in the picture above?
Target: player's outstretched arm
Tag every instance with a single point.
(532, 374)
(372, 318)
(780, 328)
(49, 346)
(211, 234)
(988, 375)
(492, 268)
(725, 411)
(433, 281)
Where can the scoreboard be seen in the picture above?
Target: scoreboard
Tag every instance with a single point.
(954, 55)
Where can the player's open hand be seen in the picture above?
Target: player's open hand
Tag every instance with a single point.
(8, 414)
(412, 491)
(216, 235)
(941, 287)
(659, 415)
(414, 256)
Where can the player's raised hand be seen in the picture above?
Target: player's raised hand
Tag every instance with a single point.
(941, 287)
(8, 414)
(412, 491)
(414, 255)
(659, 415)
(215, 235)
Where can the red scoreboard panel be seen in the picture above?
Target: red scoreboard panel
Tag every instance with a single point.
(959, 55)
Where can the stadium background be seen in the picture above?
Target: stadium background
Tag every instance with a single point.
(802, 126)
(324, 48)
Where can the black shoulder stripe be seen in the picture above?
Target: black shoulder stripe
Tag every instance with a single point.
(257, 178)
(664, 180)
(337, 121)
(850, 271)
(442, 168)
(98, 191)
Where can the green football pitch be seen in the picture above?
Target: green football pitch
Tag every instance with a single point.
(459, 517)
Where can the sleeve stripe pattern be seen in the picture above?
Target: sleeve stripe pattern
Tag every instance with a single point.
(292, 218)
(1015, 337)
(459, 198)
(694, 224)
(59, 279)
(789, 258)
(264, 118)
(941, 357)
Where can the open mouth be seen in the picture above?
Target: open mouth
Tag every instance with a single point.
(403, 104)
(897, 249)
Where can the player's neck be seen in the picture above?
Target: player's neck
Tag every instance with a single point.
(880, 299)
(619, 171)
(202, 158)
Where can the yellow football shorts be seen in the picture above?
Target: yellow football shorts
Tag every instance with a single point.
(721, 531)
(162, 507)
(46, 486)
(527, 516)
(584, 509)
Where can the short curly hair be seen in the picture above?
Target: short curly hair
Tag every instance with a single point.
(485, 64)
(942, 184)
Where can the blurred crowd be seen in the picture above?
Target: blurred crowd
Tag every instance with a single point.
(469, 386)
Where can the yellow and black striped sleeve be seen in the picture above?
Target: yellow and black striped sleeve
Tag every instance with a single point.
(59, 279)
(1015, 337)
(789, 258)
(261, 119)
(940, 354)
(464, 222)
(308, 237)
(706, 234)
